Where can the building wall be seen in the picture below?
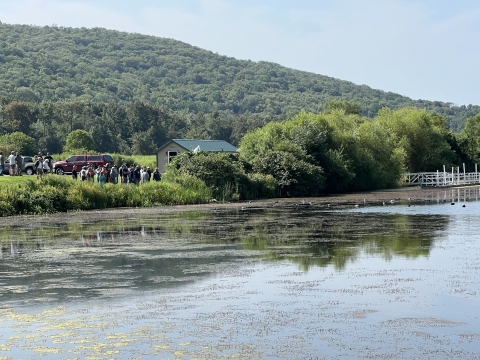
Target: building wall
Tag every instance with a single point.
(162, 157)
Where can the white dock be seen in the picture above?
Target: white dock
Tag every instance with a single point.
(442, 178)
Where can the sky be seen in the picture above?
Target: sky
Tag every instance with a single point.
(423, 49)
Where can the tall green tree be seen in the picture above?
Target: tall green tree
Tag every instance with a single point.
(471, 138)
(18, 117)
(420, 135)
(18, 141)
(79, 140)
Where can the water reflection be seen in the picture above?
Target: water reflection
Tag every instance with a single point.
(105, 258)
(336, 239)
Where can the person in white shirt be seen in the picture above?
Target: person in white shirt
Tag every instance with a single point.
(46, 167)
(11, 160)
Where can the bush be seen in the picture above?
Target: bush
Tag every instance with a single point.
(219, 171)
(119, 159)
(294, 177)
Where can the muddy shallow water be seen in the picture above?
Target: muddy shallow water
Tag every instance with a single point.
(289, 280)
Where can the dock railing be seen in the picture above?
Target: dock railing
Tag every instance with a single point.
(442, 178)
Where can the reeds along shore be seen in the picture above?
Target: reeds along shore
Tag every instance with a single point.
(51, 194)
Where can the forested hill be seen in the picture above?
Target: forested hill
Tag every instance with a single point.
(98, 65)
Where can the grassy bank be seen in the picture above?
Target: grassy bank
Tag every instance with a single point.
(52, 193)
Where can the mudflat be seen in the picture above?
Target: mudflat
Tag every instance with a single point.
(412, 195)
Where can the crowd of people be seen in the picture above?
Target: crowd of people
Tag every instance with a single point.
(43, 165)
(113, 174)
(133, 174)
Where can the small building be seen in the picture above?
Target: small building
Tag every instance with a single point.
(177, 146)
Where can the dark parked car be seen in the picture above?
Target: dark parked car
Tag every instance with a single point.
(28, 165)
(62, 167)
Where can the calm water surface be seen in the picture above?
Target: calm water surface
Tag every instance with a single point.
(393, 281)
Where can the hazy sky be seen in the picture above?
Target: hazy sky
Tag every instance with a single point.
(424, 49)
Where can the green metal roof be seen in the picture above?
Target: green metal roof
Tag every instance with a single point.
(206, 145)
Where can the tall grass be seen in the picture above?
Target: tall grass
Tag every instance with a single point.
(54, 193)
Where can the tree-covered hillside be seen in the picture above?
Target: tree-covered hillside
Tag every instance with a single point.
(103, 66)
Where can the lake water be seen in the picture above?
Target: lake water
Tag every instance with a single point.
(371, 282)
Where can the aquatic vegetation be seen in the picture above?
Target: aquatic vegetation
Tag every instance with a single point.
(271, 283)
(51, 194)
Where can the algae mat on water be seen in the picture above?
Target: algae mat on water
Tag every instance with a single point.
(379, 282)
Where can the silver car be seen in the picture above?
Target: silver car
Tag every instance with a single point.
(28, 165)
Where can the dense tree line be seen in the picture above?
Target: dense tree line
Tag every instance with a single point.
(137, 129)
(337, 150)
(53, 64)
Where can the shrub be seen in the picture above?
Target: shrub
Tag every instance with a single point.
(219, 171)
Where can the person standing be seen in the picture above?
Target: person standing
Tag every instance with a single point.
(107, 173)
(125, 174)
(83, 174)
(90, 174)
(131, 176)
(156, 175)
(136, 175)
(74, 172)
(18, 164)
(50, 161)
(144, 175)
(11, 160)
(39, 166)
(46, 166)
(2, 163)
(114, 175)
(101, 178)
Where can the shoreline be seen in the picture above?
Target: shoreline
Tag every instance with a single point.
(328, 202)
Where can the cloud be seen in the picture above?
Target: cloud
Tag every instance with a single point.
(394, 45)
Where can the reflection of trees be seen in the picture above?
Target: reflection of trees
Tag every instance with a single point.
(335, 239)
(144, 253)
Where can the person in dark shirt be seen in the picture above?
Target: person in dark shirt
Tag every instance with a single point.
(107, 173)
(124, 173)
(2, 163)
(137, 175)
(131, 177)
(18, 164)
(74, 172)
(156, 175)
